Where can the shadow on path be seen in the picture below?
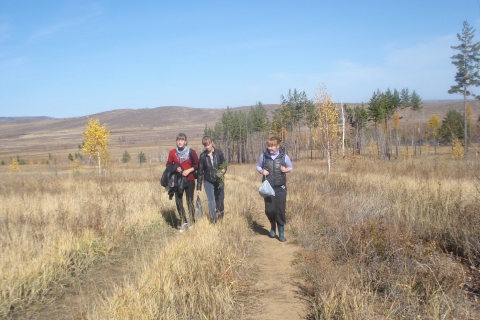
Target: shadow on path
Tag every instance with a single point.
(258, 228)
(171, 218)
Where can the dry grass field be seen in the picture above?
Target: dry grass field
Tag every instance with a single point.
(55, 228)
(389, 240)
(377, 240)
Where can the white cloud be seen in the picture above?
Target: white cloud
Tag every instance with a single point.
(425, 67)
(4, 28)
(62, 25)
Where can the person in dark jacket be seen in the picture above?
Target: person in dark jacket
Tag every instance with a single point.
(187, 160)
(212, 167)
(273, 164)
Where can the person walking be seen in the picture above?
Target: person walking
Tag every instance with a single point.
(212, 167)
(274, 164)
(187, 161)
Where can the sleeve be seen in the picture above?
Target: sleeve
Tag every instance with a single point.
(194, 159)
(288, 163)
(222, 160)
(200, 172)
(170, 158)
(260, 163)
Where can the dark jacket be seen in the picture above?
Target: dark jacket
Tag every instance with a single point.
(276, 176)
(172, 180)
(208, 170)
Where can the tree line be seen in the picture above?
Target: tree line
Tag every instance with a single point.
(381, 125)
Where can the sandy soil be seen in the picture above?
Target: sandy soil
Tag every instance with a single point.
(278, 295)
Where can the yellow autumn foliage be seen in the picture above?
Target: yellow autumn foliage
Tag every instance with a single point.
(95, 139)
(14, 166)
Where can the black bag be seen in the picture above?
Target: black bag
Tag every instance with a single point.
(198, 208)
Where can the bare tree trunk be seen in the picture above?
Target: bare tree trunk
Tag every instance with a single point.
(414, 136)
(329, 156)
(99, 164)
(343, 131)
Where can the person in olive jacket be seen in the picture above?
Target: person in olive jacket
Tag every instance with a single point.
(211, 168)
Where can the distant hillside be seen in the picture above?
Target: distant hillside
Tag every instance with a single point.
(17, 119)
(178, 117)
(147, 130)
(126, 118)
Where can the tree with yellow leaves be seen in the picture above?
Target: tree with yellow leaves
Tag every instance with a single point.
(328, 130)
(470, 123)
(95, 139)
(434, 124)
(14, 167)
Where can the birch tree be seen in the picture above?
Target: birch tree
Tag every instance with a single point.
(434, 123)
(328, 130)
(95, 139)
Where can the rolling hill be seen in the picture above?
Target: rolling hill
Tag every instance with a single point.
(143, 129)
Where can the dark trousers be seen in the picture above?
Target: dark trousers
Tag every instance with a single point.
(189, 189)
(216, 195)
(275, 206)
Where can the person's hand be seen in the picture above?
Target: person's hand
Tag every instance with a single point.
(223, 170)
(265, 172)
(198, 192)
(186, 172)
(179, 169)
(284, 169)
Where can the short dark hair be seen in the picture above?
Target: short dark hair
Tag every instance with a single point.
(207, 140)
(181, 136)
(274, 141)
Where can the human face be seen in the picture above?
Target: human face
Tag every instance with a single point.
(273, 148)
(181, 143)
(208, 147)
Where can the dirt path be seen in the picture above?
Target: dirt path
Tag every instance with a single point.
(274, 286)
(278, 296)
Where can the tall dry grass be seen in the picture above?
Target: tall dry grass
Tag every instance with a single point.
(55, 225)
(395, 239)
(197, 276)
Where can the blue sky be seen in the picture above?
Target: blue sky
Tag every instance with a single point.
(75, 58)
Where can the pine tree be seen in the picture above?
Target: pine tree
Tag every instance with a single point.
(452, 127)
(467, 63)
(126, 157)
(416, 106)
(357, 118)
(142, 158)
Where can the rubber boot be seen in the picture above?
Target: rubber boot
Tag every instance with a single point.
(213, 219)
(273, 227)
(281, 234)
